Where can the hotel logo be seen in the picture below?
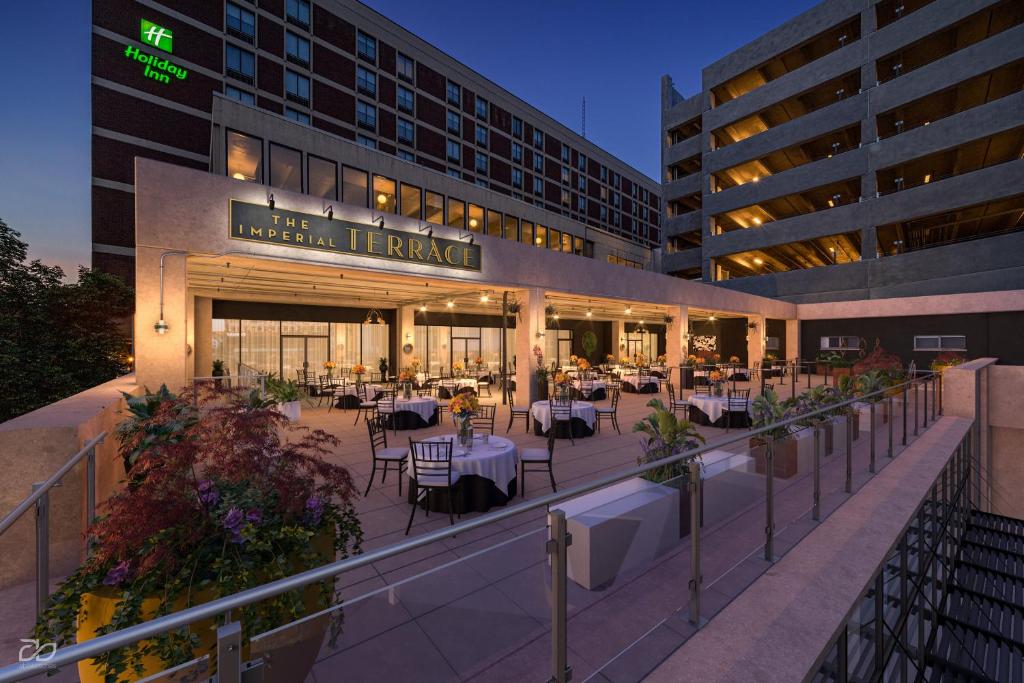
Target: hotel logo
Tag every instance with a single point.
(157, 36)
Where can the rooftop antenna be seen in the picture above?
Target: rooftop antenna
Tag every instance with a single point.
(584, 110)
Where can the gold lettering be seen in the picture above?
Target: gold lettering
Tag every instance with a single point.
(286, 236)
(415, 249)
(434, 253)
(395, 246)
(465, 256)
(369, 243)
(254, 232)
(353, 232)
(298, 237)
(276, 218)
(330, 242)
(271, 234)
(304, 224)
(320, 242)
(240, 229)
(289, 222)
(448, 255)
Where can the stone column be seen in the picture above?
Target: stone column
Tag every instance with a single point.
(202, 338)
(793, 339)
(755, 340)
(675, 336)
(406, 323)
(529, 324)
(160, 358)
(868, 242)
(618, 339)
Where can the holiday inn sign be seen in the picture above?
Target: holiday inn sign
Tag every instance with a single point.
(155, 67)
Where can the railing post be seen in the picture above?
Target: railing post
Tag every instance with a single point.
(557, 545)
(904, 609)
(809, 373)
(90, 493)
(769, 523)
(915, 408)
(871, 461)
(924, 415)
(935, 390)
(42, 549)
(892, 418)
(904, 414)
(940, 393)
(696, 576)
(879, 635)
(922, 600)
(229, 653)
(848, 487)
(816, 507)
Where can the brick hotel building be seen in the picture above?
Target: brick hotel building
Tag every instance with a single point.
(331, 98)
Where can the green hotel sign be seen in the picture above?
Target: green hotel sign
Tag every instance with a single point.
(259, 223)
(158, 68)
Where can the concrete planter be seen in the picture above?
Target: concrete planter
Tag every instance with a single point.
(292, 410)
(620, 528)
(785, 455)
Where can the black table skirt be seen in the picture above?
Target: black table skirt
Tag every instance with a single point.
(596, 395)
(347, 402)
(646, 389)
(472, 493)
(406, 419)
(698, 416)
(579, 429)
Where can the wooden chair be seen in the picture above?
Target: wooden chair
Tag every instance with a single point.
(702, 389)
(328, 391)
(673, 403)
(386, 409)
(431, 471)
(737, 403)
(484, 418)
(586, 389)
(539, 459)
(483, 383)
(610, 413)
(561, 414)
(382, 454)
(514, 412)
(367, 406)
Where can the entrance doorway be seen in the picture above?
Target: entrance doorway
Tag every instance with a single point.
(302, 352)
(466, 350)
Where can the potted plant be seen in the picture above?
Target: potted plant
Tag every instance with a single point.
(139, 431)
(229, 504)
(382, 365)
(286, 396)
(666, 436)
(768, 410)
(541, 374)
(946, 360)
(217, 371)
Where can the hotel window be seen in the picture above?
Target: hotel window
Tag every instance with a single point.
(481, 108)
(581, 163)
(354, 187)
(517, 127)
(406, 155)
(240, 64)
(366, 46)
(480, 182)
(538, 139)
(296, 48)
(540, 236)
(454, 93)
(405, 100)
(511, 228)
(285, 168)
(454, 173)
(840, 343)
(517, 153)
(604, 174)
(581, 204)
(296, 115)
(615, 180)
(454, 122)
(565, 154)
(526, 232)
(366, 141)
(456, 213)
(245, 157)
(554, 239)
(241, 95)
(476, 218)
(604, 193)
(538, 186)
(947, 342)
(517, 178)
(366, 81)
(538, 163)
(405, 67)
(577, 245)
(481, 163)
(481, 136)
(405, 131)
(493, 223)
(616, 218)
(604, 214)
(433, 208)
(297, 12)
(454, 149)
(322, 177)
(240, 23)
(296, 87)
(565, 197)
(566, 242)
(385, 186)
(366, 115)
(565, 175)
(581, 183)
(412, 202)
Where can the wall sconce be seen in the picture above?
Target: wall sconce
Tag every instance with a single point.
(329, 211)
(382, 200)
(428, 228)
(270, 200)
(374, 317)
(161, 325)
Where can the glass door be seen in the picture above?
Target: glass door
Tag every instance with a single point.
(302, 353)
(466, 350)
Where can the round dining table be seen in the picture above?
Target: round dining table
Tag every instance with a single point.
(487, 475)
(711, 411)
(346, 395)
(598, 389)
(460, 384)
(410, 413)
(631, 384)
(582, 422)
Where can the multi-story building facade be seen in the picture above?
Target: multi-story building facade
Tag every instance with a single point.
(339, 76)
(863, 149)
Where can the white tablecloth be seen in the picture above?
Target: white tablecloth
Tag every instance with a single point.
(497, 460)
(712, 406)
(350, 390)
(584, 410)
(635, 380)
(595, 385)
(424, 406)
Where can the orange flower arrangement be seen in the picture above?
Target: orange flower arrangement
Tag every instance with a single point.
(359, 369)
(583, 364)
(715, 376)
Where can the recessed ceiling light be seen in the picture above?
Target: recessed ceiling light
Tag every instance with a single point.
(423, 308)
(757, 221)
(451, 304)
(589, 313)
(484, 298)
(758, 261)
(629, 311)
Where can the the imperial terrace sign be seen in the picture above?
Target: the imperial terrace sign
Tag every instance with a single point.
(258, 223)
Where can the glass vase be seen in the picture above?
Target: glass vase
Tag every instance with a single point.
(466, 435)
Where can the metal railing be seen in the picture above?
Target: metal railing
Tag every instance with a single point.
(556, 546)
(40, 500)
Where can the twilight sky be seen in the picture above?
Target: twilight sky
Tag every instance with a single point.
(551, 54)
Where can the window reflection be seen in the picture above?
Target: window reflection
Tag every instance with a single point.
(511, 228)
(456, 213)
(384, 189)
(540, 237)
(245, 157)
(285, 168)
(434, 208)
(493, 223)
(411, 203)
(354, 187)
(323, 177)
(476, 218)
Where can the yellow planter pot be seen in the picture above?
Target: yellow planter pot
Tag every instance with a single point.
(98, 610)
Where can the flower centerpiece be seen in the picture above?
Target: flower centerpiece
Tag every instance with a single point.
(734, 360)
(405, 378)
(479, 363)
(359, 370)
(458, 368)
(716, 379)
(329, 366)
(584, 365)
(716, 357)
(640, 360)
(691, 361)
(542, 373)
(462, 407)
(662, 358)
(574, 359)
(609, 358)
(229, 499)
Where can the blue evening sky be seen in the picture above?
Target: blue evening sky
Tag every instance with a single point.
(549, 53)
